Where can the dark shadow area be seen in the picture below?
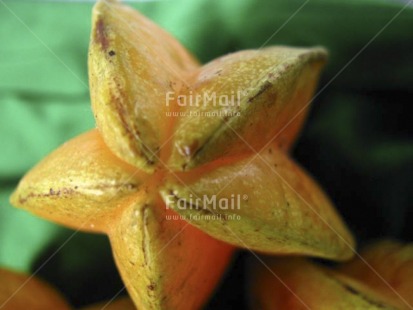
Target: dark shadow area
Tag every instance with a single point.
(231, 293)
(359, 147)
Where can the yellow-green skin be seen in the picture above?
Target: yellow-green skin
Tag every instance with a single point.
(296, 284)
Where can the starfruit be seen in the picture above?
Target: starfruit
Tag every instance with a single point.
(386, 267)
(134, 176)
(20, 292)
(380, 278)
(164, 264)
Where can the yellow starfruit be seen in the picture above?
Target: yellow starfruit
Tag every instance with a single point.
(20, 292)
(132, 177)
(379, 278)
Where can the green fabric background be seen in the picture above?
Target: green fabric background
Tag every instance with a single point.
(358, 141)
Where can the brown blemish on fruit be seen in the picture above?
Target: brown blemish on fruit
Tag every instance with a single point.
(145, 237)
(121, 112)
(261, 91)
(130, 129)
(353, 291)
(100, 34)
(151, 287)
(67, 191)
(52, 192)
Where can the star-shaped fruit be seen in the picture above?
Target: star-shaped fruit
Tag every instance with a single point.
(380, 278)
(187, 162)
(20, 292)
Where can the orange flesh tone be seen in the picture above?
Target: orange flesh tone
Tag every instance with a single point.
(21, 292)
(162, 261)
(131, 212)
(79, 184)
(391, 271)
(296, 283)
